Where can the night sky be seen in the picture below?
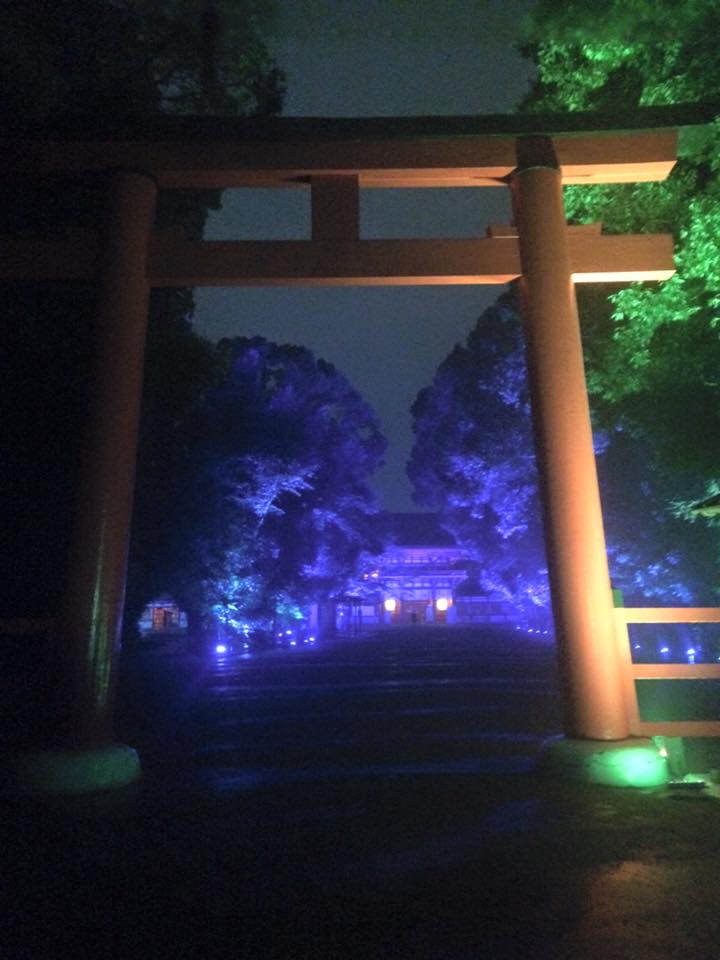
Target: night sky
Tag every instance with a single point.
(370, 58)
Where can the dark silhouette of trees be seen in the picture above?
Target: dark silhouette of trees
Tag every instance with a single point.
(92, 66)
(180, 369)
(107, 63)
(251, 492)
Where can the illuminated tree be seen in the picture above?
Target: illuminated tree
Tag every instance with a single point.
(653, 351)
(473, 457)
(473, 461)
(285, 447)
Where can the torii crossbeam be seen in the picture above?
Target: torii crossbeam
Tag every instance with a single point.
(541, 251)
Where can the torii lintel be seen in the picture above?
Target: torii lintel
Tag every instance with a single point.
(427, 161)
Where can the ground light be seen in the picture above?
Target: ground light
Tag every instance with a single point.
(636, 762)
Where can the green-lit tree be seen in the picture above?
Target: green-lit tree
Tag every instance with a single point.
(653, 350)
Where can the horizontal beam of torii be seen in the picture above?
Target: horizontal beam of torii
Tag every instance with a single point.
(334, 161)
(445, 161)
(175, 261)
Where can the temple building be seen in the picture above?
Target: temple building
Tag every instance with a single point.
(162, 617)
(419, 570)
(422, 576)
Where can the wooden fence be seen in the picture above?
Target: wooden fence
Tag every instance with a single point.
(664, 671)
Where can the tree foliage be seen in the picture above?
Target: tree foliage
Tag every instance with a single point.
(473, 460)
(277, 484)
(654, 350)
(251, 493)
(104, 61)
(629, 51)
(473, 456)
(180, 370)
(86, 65)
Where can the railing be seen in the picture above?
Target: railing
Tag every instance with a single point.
(664, 671)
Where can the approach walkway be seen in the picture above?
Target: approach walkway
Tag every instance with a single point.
(375, 800)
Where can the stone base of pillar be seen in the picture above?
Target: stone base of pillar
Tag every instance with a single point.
(74, 772)
(635, 762)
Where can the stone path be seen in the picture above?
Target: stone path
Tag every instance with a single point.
(373, 800)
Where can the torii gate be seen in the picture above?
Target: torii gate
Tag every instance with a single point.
(335, 160)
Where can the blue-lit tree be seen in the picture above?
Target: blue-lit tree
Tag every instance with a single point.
(473, 458)
(473, 461)
(284, 452)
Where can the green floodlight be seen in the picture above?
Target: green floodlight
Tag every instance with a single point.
(620, 763)
(641, 766)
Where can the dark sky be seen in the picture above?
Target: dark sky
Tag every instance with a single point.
(370, 58)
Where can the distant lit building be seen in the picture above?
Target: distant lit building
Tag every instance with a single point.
(421, 577)
(162, 617)
(418, 573)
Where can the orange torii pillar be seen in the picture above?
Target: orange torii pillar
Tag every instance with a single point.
(88, 631)
(575, 541)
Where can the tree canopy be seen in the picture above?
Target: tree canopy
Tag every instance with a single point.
(274, 483)
(473, 460)
(251, 494)
(653, 351)
(105, 61)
